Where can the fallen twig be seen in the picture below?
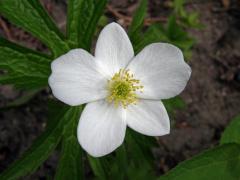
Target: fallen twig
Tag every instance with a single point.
(5, 28)
(127, 20)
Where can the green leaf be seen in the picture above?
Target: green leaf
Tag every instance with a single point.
(140, 156)
(132, 160)
(174, 103)
(30, 15)
(83, 16)
(98, 166)
(174, 31)
(112, 166)
(71, 161)
(122, 163)
(193, 20)
(25, 68)
(222, 162)
(232, 132)
(154, 33)
(138, 19)
(73, 21)
(187, 19)
(41, 148)
(178, 5)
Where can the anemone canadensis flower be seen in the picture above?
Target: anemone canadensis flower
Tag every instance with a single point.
(120, 89)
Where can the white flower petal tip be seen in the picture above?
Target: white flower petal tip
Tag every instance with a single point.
(113, 49)
(101, 128)
(162, 70)
(149, 118)
(75, 78)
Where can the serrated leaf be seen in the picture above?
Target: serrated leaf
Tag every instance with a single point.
(71, 161)
(138, 19)
(83, 16)
(222, 162)
(25, 68)
(30, 15)
(40, 150)
(232, 133)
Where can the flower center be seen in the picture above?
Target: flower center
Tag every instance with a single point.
(122, 88)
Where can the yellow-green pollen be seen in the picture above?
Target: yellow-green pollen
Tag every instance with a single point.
(122, 89)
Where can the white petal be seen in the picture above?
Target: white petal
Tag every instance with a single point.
(113, 49)
(75, 78)
(148, 117)
(161, 69)
(101, 128)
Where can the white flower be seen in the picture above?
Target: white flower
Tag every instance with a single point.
(121, 89)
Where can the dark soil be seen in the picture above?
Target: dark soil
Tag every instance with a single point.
(212, 95)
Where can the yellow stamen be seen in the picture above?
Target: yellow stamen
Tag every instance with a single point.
(122, 88)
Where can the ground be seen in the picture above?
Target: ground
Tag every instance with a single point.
(212, 94)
